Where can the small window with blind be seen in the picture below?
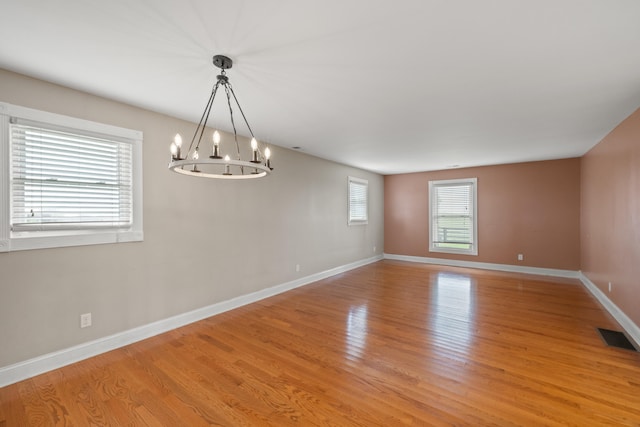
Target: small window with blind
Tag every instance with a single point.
(453, 216)
(358, 203)
(67, 182)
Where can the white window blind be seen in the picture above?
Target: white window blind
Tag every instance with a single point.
(358, 203)
(453, 216)
(68, 180)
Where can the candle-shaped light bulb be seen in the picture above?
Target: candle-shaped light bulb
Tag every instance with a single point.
(174, 149)
(226, 166)
(254, 147)
(267, 156)
(216, 145)
(177, 141)
(195, 157)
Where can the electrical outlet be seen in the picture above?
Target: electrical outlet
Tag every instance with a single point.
(609, 286)
(85, 320)
(297, 267)
(374, 249)
(520, 257)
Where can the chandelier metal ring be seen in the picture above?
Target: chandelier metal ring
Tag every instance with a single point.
(179, 167)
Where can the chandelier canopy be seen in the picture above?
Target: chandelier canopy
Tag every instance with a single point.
(220, 163)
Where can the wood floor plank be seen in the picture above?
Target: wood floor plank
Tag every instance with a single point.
(391, 343)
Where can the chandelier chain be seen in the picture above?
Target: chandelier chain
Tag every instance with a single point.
(241, 112)
(205, 118)
(233, 122)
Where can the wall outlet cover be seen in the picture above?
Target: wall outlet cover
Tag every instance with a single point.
(85, 320)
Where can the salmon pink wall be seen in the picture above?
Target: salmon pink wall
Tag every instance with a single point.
(610, 230)
(529, 208)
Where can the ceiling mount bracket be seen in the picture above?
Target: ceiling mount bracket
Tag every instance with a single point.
(222, 62)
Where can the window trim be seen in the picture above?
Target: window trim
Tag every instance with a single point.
(13, 241)
(474, 247)
(359, 181)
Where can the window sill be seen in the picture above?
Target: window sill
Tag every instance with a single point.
(472, 252)
(39, 242)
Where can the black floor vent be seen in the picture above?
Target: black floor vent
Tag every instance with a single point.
(616, 339)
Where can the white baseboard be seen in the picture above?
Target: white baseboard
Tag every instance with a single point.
(632, 330)
(38, 365)
(487, 266)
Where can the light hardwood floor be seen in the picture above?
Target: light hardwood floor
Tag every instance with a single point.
(388, 344)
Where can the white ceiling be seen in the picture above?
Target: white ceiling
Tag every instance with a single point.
(389, 86)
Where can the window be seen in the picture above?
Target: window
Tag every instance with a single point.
(358, 205)
(66, 181)
(453, 219)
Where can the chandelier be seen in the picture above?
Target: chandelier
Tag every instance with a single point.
(220, 163)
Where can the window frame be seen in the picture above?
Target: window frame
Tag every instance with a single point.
(473, 182)
(358, 181)
(41, 239)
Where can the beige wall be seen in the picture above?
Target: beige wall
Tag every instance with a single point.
(529, 208)
(610, 231)
(206, 241)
